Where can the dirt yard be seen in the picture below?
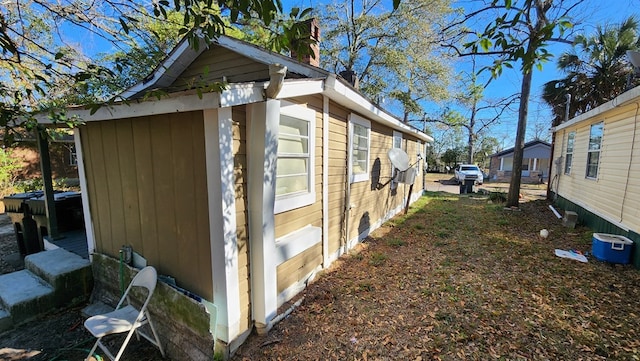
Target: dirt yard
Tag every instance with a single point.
(462, 279)
(459, 278)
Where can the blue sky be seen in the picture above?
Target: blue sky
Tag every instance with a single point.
(590, 14)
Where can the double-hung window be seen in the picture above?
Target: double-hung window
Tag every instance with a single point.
(569, 153)
(359, 144)
(295, 186)
(595, 144)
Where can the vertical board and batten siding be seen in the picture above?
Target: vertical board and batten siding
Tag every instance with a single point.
(211, 66)
(144, 176)
(242, 220)
(615, 194)
(298, 268)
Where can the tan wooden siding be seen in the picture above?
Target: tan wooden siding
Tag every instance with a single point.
(371, 201)
(144, 176)
(295, 269)
(240, 175)
(295, 219)
(337, 175)
(216, 63)
(615, 194)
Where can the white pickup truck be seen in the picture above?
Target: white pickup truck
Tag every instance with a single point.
(468, 172)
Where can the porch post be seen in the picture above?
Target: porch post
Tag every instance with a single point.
(45, 167)
(84, 194)
(222, 221)
(262, 145)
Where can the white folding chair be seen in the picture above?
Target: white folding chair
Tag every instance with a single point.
(126, 318)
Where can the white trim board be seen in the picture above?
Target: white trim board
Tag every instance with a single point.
(239, 94)
(294, 243)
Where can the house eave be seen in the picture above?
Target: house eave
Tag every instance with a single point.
(240, 94)
(236, 94)
(344, 95)
(631, 96)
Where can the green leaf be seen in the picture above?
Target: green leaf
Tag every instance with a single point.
(485, 44)
(305, 12)
(94, 108)
(59, 55)
(507, 4)
(396, 3)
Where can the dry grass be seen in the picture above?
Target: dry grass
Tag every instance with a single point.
(461, 279)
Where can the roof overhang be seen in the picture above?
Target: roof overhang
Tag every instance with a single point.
(626, 98)
(236, 94)
(343, 94)
(239, 94)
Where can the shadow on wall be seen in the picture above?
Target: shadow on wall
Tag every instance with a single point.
(365, 224)
(375, 175)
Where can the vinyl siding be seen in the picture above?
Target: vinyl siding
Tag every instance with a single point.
(615, 194)
(143, 178)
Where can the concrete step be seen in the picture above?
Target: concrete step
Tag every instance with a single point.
(23, 295)
(69, 274)
(5, 320)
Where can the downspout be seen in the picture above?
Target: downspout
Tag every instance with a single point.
(277, 73)
(633, 141)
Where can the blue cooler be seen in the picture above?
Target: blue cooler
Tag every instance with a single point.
(612, 248)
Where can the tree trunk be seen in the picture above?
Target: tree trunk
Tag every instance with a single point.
(472, 134)
(518, 149)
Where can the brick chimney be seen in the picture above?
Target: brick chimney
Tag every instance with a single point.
(314, 33)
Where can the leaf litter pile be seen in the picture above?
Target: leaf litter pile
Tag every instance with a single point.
(459, 278)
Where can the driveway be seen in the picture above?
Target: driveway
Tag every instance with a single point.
(442, 182)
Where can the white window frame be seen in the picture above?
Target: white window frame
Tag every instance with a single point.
(360, 121)
(568, 156)
(592, 151)
(287, 202)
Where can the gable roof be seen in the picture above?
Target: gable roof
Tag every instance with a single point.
(527, 146)
(184, 54)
